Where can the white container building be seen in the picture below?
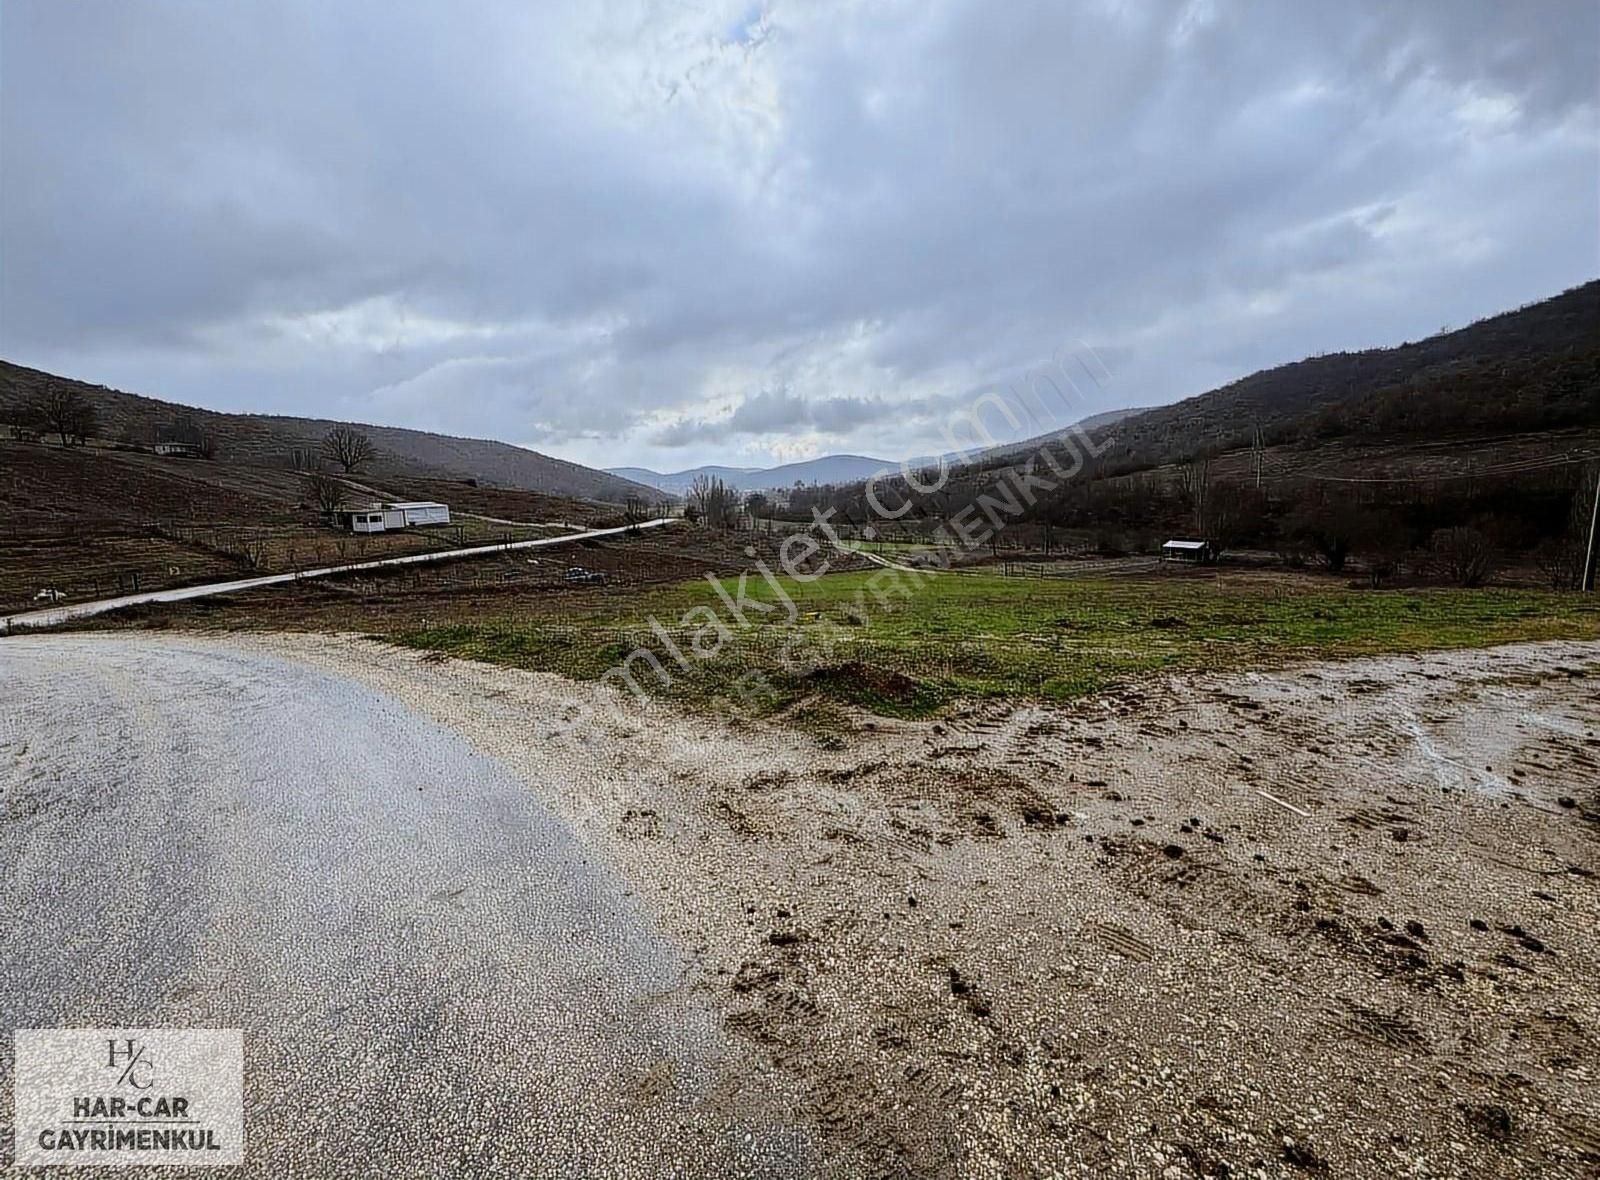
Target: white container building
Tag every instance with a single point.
(387, 518)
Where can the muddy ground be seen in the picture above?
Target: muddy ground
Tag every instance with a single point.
(1339, 921)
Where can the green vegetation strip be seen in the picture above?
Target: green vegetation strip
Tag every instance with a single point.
(983, 636)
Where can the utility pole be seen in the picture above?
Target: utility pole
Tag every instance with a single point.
(1594, 538)
(1258, 458)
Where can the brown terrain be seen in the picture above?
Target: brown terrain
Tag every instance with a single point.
(272, 440)
(1336, 920)
(1340, 920)
(381, 602)
(94, 521)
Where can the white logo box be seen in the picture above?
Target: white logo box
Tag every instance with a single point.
(129, 1096)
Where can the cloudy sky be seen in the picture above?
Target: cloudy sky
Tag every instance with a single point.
(755, 232)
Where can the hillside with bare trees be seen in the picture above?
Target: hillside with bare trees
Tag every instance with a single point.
(289, 443)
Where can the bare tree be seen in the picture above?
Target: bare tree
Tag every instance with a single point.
(713, 500)
(184, 429)
(1464, 555)
(1384, 543)
(252, 551)
(634, 510)
(700, 494)
(1561, 557)
(1560, 560)
(348, 447)
(1195, 478)
(60, 409)
(323, 490)
(1233, 512)
(758, 506)
(181, 429)
(1327, 527)
(1051, 514)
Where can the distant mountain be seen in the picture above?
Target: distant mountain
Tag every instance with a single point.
(677, 482)
(846, 469)
(829, 469)
(271, 440)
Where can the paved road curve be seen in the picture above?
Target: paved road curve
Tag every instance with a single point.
(53, 616)
(432, 978)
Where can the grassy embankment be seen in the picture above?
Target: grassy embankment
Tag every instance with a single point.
(987, 636)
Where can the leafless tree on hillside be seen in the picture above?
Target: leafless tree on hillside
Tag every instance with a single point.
(323, 490)
(61, 410)
(348, 447)
(1195, 477)
(184, 429)
(252, 552)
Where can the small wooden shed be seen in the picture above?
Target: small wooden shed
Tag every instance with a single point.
(1193, 552)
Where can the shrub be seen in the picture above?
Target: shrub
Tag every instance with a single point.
(1464, 555)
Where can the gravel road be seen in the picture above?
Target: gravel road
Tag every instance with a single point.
(1334, 920)
(54, 616)
(434, 976)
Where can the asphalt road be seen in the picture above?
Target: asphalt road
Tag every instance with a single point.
(433, 977)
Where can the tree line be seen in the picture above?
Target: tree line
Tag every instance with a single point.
(58, 409)
(1458, 528)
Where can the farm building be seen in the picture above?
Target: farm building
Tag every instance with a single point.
(383, 518)
(1198, 552)
(178, 450)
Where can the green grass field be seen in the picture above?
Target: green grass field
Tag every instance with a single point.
(911, 648)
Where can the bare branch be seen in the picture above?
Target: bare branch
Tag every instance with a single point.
(348, 447)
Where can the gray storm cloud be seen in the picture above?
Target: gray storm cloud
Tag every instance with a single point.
(748, 233)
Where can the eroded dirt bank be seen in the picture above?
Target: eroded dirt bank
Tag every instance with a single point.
(1086, 941)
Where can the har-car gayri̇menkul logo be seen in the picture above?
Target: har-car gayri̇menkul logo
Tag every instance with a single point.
(129, 1096)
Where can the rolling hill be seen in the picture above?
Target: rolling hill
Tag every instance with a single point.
(1487, 429)
(1097, 426)
(272, 441)
(1534, 368)
(1526, 372)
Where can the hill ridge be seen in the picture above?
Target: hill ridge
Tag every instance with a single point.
(272, 439)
